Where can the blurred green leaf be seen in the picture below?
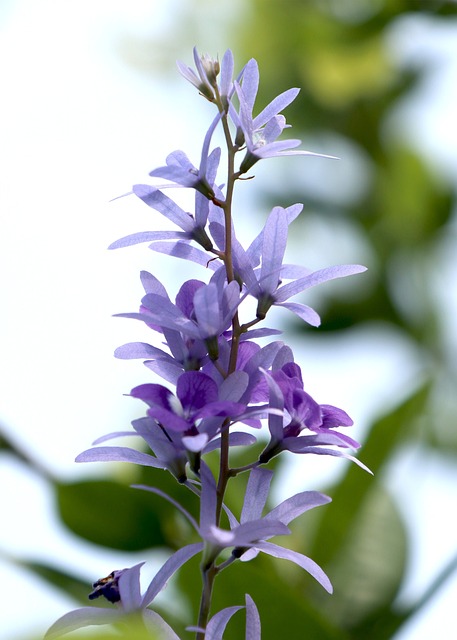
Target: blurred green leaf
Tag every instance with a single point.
(113, 515)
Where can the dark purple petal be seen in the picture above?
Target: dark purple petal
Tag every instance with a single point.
(195, 390)
(169, 419)
(334, 417)
(153, 394)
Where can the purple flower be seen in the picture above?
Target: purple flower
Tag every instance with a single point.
(294, 411)
(260, 133)
(197, 397)
(249, 536)
(123, 589)
(265, 283)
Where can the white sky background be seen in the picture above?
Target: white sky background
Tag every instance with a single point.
(77, 128)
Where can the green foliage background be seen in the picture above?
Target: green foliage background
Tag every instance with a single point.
(336, 51)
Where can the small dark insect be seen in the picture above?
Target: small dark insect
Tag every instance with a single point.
(107, 587)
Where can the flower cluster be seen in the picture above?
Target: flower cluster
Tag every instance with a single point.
(219, 374)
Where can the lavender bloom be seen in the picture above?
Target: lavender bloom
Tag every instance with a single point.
(250, 535)
(260, 133)
(208, 69)
(265, 284)
(123, 588)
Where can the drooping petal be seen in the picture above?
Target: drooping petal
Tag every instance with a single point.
(294, 506)
(315, 278)
(170, 567)
(83, 617)
(120, 454)
(302, 311)
(302, 561)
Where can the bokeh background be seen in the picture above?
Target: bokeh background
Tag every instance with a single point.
(91, 101)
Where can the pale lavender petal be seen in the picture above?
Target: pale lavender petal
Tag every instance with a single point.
(227, 66)
(146, 236)
(185, 252)
(176, 174)
(273, 248)
(302, 561)
(205, 149)
(315, 278)
(152, 285)
(326, 452)
(253, 628)
(208, 499)
(120, 454)
(133, 350)
(216, 626)
(129, 588)
(114, 434)
(84, 617)
(195, 443)
(275, 107)
(273, 128)
(247, 534)
(294, 506)
(157, 625)
(233, 387)
(165, 205)
(173, 563)
(207, 310)
(256, 494)
(302, 311)
(250, 82)
(169, 371)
